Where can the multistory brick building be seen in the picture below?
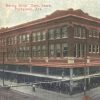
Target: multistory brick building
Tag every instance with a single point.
(64, 44)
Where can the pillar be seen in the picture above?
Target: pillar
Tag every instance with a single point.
(30, 69)
(71, 80)
(89, 77)
(47, 71)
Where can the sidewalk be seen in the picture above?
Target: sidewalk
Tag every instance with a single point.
(50, 95)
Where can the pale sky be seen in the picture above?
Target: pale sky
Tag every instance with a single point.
(15, 12)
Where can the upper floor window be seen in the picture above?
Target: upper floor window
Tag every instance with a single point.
(43, 35)
(97, 48)
(43, 50)
(23, 37)
(38, 50)
(3, 41)
(51, 50)
(90, 33)
(83, 34)
(64, 31)
(20, 39)
(93, 33)
(15, 39)
(90, 48)
(64, 49)
(27, 37)
(79, 32)
(51, 34)
(58, 50)
(34, 52)
(10, 40)
(93, 48)
(57, 33)
(33, 37)
(38, 36)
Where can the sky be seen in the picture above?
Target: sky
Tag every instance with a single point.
(15, 12)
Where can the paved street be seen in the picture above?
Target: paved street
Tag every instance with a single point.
(27, 93)
(7, 94)
(96, 98)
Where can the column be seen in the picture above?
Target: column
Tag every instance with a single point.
(47, 71)
(71, 80)
(30, 69)
(88, 83)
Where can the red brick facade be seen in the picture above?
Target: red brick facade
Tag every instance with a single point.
(63, 39)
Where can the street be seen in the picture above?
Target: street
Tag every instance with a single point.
(8, 94)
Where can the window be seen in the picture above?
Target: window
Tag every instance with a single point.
(90, 48)
(20, 52)
(97, 48)
(93, 48)
(51, 34)
(90, 33)
(27, 37)
(43, 50)
(75, 50)
(58, 50)
(94, 33)
(64, 49)
(20, 39)
(43, 35)
(15, 39)
(79, 50)
(10, 41)
(76, 33)
(83, 34)
(38, 36)
(23, 37)
(34, 51)
(64, 32)
(57, 33)
(38, 51)
(34, 37)
(51, 50)
(27, 53)
(79, 32)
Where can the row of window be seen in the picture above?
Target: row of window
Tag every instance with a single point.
(39, 36)
(54, 33)
(54, 50)
(79, 32)
(58, 33)
(93, 33)
(93, 48)
(79, 50)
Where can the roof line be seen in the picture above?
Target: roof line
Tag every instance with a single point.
(51, 20)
